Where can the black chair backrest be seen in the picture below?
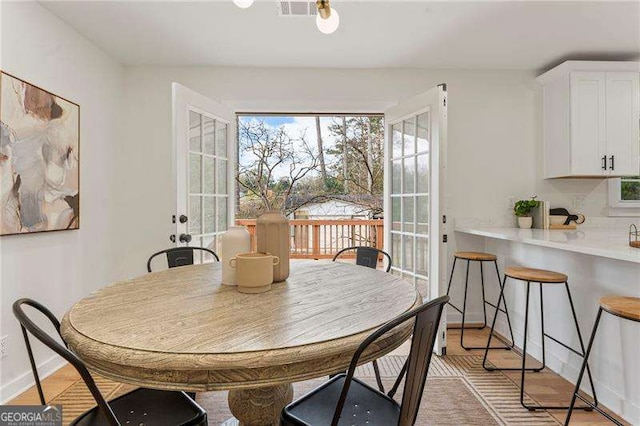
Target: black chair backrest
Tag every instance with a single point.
(28, 325)
(425, 330)
(180, 256)
(367, 256)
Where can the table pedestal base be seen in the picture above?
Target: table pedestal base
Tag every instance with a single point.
(260, 406)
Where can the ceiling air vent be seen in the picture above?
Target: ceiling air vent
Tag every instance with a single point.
(297, 8)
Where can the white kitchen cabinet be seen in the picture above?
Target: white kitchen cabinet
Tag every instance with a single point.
(591, 115)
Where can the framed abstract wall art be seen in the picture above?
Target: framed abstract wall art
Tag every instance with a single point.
(39, 159)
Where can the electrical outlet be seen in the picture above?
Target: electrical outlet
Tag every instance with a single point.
(3, 346)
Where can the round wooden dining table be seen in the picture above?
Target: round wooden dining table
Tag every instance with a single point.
(180, 329)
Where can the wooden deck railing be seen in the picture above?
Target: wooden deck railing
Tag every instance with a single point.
(322, 238)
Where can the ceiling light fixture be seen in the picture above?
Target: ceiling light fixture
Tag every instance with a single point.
(327, 19)
(243, 4)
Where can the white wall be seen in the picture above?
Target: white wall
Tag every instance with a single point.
(494, 133)
(59, 268)
(494, 151)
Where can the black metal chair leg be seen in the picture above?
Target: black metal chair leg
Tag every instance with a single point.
(191, 395)
(493, 326)
(506, 309)
(585, 363)
(575, 320)
(376, 370)
(544, 349)
(453, 268)
(33, 365)
(484, 298)
(524, 348)
(464, 305)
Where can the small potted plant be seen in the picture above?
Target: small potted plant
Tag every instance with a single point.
(522, 210)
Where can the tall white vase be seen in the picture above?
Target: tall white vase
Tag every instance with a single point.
(235, 240)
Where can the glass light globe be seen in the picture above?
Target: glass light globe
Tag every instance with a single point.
(329, 25)
(243, 4)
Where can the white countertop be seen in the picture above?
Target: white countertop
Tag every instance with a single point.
(601, 242)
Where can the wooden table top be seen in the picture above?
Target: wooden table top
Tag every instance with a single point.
(175, 325)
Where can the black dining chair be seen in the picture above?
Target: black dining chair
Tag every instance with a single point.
(346, 400)
(366, 256)
(138, 407)
(180, 256)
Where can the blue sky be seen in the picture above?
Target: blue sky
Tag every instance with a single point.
(275, 121)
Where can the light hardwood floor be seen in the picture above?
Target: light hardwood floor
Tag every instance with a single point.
(545, 387)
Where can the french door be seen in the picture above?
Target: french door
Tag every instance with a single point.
(415, 218)
(204, 131)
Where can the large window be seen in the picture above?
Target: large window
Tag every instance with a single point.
(310, 166)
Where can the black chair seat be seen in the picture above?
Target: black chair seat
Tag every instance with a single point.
(148, 407)
(364, 406)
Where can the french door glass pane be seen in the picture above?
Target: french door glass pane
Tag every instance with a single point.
(209, 214)
(209, 135)
(422, 256)
(209, 175)
(397, 140)
(396, 177)
(423, 174)
(422, 213)
(195, 186)
(395, 249)
(194, 131)
(409, 127)
(222, 176)
(407, 252)
(195, 215)
(422, 140)
(222, 217)
(407, 213)
(210, 243)
(221, 140)
(395, 213)
(409, 171)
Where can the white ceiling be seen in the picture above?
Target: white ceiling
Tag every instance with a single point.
(378, 34)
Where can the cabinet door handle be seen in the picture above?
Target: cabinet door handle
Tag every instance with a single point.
(604, 162)
(613, 164)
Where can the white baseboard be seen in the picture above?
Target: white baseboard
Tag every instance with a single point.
(24, 381)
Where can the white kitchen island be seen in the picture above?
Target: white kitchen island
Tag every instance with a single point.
(599, 262)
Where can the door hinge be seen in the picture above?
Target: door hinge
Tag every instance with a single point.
(444, 218)
(173, 218)
(444, 102)
(444, 238)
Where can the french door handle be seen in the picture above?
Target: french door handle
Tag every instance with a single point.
(185, 238)
(604, 162)
(613, 164)
(183, 218)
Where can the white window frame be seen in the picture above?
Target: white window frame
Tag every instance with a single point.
(617, 206)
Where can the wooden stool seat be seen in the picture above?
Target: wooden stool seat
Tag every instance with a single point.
(620, 306)
(473, 255)
(535, 275)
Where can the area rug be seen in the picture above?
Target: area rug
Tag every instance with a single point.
(458, 392)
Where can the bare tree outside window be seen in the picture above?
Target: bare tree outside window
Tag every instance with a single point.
(288, 162)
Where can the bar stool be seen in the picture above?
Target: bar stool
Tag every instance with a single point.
(624, 307)
(471, 256)
(541, 277)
